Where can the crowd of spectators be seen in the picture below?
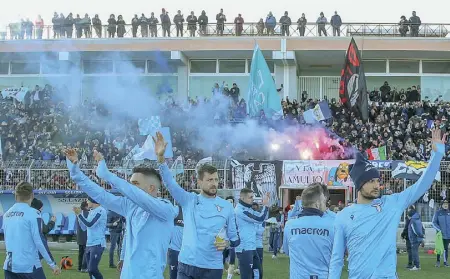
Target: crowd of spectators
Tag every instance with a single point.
(387, 94)
(403, 127)
(76, 26)
(37, 130)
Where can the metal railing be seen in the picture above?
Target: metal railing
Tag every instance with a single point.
(47, 175)
(430, 30)
(56, 177)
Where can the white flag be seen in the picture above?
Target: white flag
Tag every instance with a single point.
(147, 150)
(17, 93)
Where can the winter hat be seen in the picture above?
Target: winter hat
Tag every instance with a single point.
(411, 211)
(36, 204)
(362, 172)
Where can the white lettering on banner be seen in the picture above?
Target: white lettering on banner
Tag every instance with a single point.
(64, 204)
(301, 173)
(46, 192)
(353, 88)
(404, 168)
(304, 180)
(16, 93)
(381, 164)
(71, 200)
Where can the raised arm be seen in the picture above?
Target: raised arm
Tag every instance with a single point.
(81, 224)
(38, 239)
(418, 189)
(253, 216)
(294, 212)
(120, 205)
(181, 196)
(337, 257)
(91, 220)
(158, 207)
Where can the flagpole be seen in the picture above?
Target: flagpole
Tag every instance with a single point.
(225, 174)
(362, 49)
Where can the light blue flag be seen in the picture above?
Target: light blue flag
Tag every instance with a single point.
(319, 113)
(147, 151)
(322, 111)
(178, 166)
(309, 117)
(136, 149)
(17, 93)
(149, 126)
(262, 93)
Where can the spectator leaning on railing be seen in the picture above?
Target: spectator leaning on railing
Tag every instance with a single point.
(63, 27)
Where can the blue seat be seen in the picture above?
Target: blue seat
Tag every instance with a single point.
(70, 224)
(65, 225)
(59, 224)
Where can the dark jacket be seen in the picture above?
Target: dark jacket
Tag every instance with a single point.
(47, 228)
(416, 233)
(203, 19)
(441, 222)
(405, 229)
(82, 235)
(112, 218)
(336, 21)
(178, 19)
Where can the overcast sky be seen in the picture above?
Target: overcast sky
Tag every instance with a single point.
(386, 11)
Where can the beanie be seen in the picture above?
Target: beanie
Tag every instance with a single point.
(362, 172)
(36, 204)
(92, 200)
(411, 211)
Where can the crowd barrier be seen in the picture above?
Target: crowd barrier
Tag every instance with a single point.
(54, 176)
(311, 29)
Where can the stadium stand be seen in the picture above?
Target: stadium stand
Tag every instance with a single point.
(33, 134)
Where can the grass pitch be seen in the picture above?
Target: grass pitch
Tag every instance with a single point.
(278, 268)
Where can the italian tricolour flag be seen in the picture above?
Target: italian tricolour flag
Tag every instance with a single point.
(377, 153)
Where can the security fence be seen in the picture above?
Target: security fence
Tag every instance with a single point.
(46, 175)
(54, 176)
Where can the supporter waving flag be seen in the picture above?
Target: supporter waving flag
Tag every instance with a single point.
(353, 87)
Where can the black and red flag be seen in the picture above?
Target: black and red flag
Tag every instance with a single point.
(353, 87)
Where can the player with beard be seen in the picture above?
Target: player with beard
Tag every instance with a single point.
(209, 221)
(369, 228)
